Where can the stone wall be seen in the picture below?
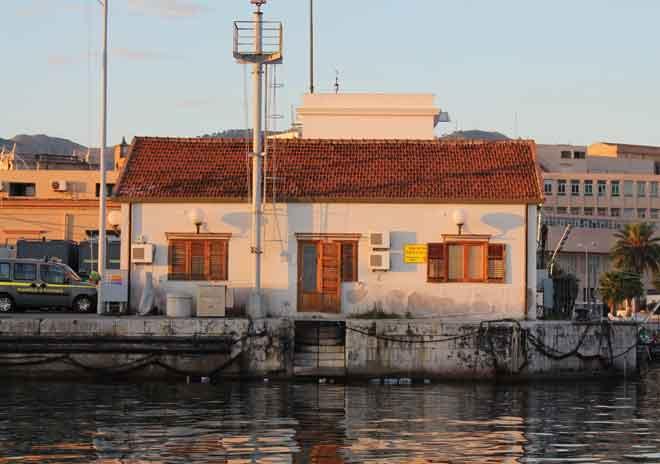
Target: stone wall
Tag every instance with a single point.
(93, 347)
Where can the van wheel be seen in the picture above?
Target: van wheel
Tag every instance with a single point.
(83, 304)
(6, 304)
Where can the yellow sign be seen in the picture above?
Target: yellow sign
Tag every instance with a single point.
(415, 253)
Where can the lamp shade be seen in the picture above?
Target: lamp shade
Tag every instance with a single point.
(459, 217)
(114, 218)
(196, 216)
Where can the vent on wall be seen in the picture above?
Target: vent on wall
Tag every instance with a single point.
(379, 261)
(379, 240)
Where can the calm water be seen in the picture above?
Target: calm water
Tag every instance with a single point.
(330, 424)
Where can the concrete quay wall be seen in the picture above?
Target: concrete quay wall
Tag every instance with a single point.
(159, 348)
(489, 350)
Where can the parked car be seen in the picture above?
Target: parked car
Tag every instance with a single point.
(33, 283)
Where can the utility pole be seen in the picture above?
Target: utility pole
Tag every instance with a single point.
(246, 34)
(311, 46)
(102, 189)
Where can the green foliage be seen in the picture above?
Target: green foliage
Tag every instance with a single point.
(619, 286)
(637, 249)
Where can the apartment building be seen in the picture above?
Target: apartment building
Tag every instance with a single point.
(50, 202)
(596, 189)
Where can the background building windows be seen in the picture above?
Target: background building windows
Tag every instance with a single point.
(628, 188)
(588, 211)
(561, 187)
(602, 211)
(588, 188)
(548, 210)
(602, 188)
(628, 212)
(616, 191)
(615, 212)
(547, 187)
(641, 189)
(575, 188)
(654, 189)
(654, 213)
(20, 189)
(579, 155)
(575, 211)
(641, 213)
(561, 210)
(566, 154)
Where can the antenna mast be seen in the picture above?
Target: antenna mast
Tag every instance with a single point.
(311, 46)
(250, 47)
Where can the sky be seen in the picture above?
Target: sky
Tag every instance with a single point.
(560, 71)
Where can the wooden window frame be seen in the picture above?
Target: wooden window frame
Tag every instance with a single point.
(354, 261)
(208, 241)
(491, 252)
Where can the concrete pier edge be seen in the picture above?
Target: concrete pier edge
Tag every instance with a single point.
(153, 348)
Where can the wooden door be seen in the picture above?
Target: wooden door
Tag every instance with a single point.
(330, 277)
(319, 286)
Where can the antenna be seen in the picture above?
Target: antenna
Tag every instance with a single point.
(257, 42)
(336, 81)
(311, 46)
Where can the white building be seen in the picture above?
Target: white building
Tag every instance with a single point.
(368, 116)
(336, 212)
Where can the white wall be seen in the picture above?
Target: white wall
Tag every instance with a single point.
(402, 289)
(367, 116)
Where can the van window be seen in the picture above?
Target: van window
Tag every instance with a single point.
(52, 274)
(4, 271)
(25, 271)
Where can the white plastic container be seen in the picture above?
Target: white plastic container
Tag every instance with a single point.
(179, 305)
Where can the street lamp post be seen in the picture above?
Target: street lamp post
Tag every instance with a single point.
(104, 126)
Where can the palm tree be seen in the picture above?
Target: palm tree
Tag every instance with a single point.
(617, 287)
(637, 249)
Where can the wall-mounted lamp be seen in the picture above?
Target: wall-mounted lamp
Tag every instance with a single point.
(459, 220)
(196, 216)
(114, 220)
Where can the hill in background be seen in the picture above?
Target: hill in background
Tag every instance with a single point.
(475, 135)
(42, 144)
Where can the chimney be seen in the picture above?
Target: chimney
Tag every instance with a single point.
(121, 153)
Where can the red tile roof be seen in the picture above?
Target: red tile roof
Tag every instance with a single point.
(167, 169)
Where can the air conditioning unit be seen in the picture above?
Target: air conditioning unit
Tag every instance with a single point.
(142, 253)
(379, 240)
(59, 185)
(379, 261)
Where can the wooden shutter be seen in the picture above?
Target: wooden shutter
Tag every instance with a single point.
(349, 262)
(436, 270)
(330, 285)
(496, 262)
(218, 259)
(197, 260)
(177, 258)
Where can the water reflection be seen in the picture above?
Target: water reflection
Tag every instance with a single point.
(330, 424)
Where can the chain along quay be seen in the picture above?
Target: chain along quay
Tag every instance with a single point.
(155, 348)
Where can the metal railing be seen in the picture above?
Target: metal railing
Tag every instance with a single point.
(245, 40)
